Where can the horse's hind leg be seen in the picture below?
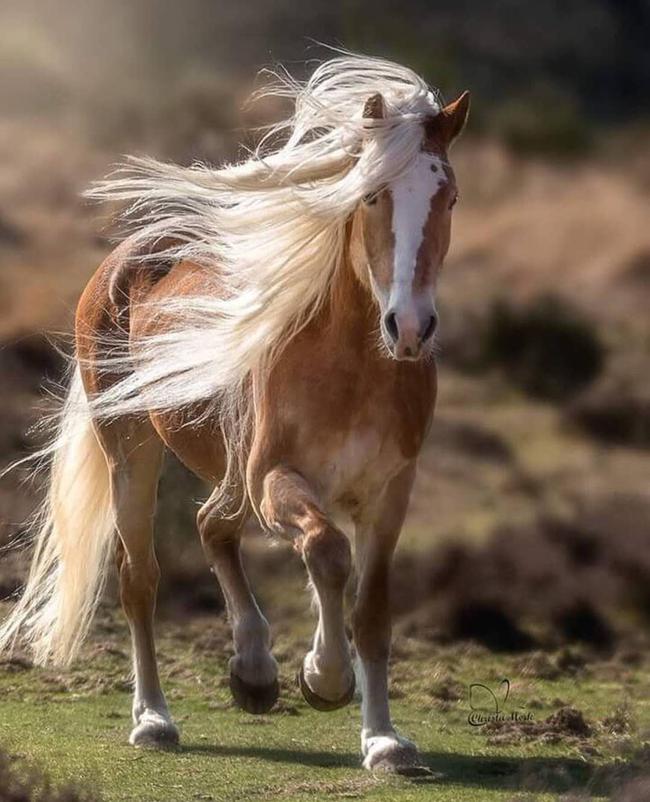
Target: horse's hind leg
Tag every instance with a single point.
(253, 670)
(134, 454)
(289, 504)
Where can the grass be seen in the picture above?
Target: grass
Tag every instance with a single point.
(74, 724)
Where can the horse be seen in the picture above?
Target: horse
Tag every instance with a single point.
(273, 323)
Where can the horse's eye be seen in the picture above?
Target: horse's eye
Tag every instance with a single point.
(453, 202)
(370, 198)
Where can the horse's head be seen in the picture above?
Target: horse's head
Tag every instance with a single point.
(404, 232)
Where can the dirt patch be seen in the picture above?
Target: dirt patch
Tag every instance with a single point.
(542, 665)
(620, 721)
(567, 723)
(446, 691)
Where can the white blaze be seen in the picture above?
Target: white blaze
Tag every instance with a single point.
(412, 195)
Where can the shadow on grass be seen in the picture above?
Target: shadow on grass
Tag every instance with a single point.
(326, 760)
(555, 775)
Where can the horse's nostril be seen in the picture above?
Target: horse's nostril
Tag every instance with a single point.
(390, 321)
(431, 326)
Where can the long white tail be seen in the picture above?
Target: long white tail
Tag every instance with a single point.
(73, 536)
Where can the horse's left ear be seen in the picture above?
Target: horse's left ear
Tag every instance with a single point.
(448, 124)
(374, 108)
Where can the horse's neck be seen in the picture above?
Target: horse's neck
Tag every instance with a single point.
(352, 314)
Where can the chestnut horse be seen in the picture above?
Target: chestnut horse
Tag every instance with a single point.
(272, 323)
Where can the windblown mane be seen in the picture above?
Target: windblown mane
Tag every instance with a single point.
(273, 227)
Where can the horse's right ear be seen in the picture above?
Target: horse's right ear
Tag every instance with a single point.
(453, 117)
(374, 108)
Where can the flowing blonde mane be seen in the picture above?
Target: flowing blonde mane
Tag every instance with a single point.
(272, 227)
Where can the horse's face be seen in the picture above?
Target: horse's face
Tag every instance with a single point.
(405, 233)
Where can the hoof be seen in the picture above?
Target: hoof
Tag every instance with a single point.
(394, 755)
(154, 730)
(317, 702)
(255, 699)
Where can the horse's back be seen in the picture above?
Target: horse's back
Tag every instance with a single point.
(113, 309)
(114, 299)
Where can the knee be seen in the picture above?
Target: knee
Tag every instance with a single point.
(207, 526)
(216, 531)
(328, 555)
(138, 581)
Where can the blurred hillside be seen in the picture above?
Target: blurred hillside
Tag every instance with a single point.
(550, 252)
(591, 54)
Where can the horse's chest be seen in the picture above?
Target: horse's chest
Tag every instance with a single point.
(354, 466)
(348, 432)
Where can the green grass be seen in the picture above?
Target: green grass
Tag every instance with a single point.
(75, 725)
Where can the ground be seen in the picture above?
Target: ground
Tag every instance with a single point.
(75, 723)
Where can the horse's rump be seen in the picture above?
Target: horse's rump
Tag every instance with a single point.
(117, 307)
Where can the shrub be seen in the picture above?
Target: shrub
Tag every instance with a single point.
(18, 784)
(551, 582)
(542, 124)
(546, 348)
(616, 409)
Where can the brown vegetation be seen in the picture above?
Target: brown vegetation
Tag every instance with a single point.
(22, 784)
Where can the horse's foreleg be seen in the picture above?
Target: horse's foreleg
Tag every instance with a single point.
(377, 530)
(134, 454)
(253, 670)
(289, 505)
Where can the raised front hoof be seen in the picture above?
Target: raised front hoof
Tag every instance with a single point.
(156, 731)
(394, 755)
(318, 702)
(256, 699)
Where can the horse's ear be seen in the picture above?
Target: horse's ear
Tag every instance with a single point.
(374, 108)
(448, 124)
